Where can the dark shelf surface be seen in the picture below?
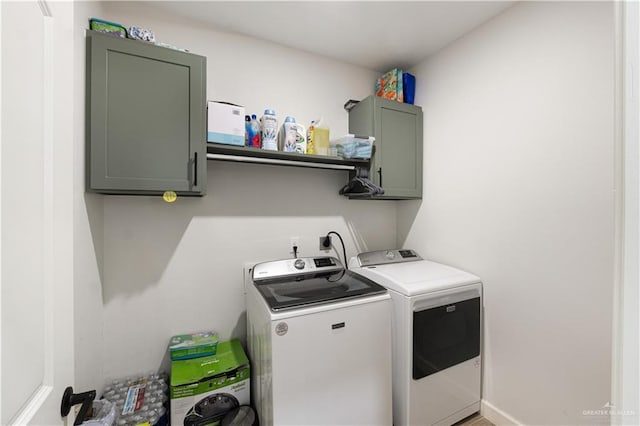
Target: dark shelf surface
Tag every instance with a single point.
(380, 197)
(256, 153)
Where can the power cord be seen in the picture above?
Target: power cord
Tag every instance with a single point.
(327, 243)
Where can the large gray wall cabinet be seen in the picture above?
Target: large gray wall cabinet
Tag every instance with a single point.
(146, 119)
(396, 164)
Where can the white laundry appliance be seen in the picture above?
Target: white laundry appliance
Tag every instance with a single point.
(319, 342)
(437, 331)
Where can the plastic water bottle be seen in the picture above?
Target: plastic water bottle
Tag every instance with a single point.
(269, 130)
(255, 139)
(247, 130)
(154, 397)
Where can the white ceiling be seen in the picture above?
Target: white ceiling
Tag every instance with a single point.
(379, 35)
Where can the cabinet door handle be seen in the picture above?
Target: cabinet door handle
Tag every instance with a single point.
(195, 169)
(380, 176)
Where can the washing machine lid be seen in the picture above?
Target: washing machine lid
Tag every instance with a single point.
(415, 277)
(294, 283)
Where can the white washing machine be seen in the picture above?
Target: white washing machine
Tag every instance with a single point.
(319, 342)
(437, 331)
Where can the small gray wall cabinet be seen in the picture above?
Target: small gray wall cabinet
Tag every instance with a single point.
(396, 165)
(146, 124)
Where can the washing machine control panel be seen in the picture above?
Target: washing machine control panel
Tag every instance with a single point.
(382, 257)
(291, 267)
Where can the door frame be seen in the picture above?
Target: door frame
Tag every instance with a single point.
(625, 375)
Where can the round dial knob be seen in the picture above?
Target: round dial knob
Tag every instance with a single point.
(299, 264)
(390, 255)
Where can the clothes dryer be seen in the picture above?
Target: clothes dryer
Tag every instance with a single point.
(436, 335)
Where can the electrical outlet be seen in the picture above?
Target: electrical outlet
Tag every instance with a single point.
(294, 241)
(321, 244)
(247, 269)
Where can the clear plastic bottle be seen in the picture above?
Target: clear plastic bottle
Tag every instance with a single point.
(153, 418)
(269, 130)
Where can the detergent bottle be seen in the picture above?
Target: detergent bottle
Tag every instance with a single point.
(311, 148)
(321, 137)
(292, 137)
(301, 139)
(269, 130)
(287, 135)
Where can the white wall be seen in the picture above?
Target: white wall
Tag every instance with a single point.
(519, 189)
(88, 230)
(174, 268)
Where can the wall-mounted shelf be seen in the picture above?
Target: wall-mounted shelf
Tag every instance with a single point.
(254, 155)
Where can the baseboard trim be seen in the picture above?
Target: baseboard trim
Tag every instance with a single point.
(497, 416)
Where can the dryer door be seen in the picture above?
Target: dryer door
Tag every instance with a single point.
(446, 332)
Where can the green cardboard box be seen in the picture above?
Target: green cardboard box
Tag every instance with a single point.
(204, 389)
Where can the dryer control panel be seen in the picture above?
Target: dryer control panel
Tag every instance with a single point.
(381, 257)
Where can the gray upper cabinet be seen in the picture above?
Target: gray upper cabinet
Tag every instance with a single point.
(146, 125)
(396, 165)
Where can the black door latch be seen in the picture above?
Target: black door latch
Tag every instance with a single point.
(69, 399)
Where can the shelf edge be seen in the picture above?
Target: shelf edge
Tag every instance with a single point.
(258, 160)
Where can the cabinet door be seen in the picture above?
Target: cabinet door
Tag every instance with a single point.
(146, 118)
(397, 163)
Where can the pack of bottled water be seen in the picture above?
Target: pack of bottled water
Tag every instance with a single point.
(138, 400)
